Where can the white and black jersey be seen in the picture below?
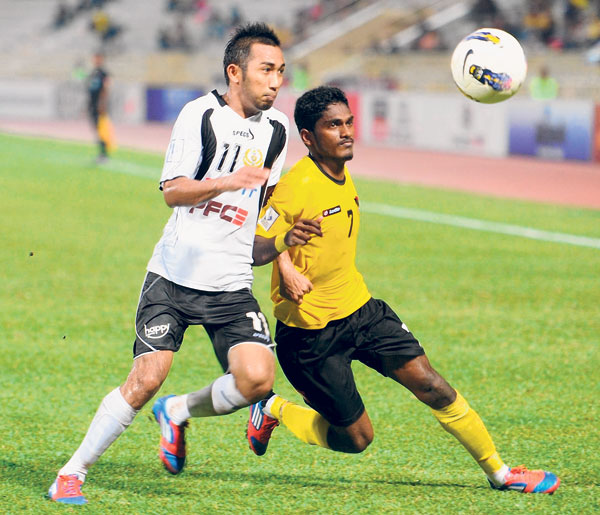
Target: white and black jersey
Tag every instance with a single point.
(209, 246)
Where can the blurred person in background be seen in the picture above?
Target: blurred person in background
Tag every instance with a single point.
(62, 16)
(181, 39)
(543, 86)
(98, 84)
(104, 26)
(538, 23)
(483, 12)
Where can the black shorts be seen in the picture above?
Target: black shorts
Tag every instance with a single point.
(318, 361)
(166, 310)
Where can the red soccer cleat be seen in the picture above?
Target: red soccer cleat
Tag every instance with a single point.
(260, 427)
(172, 440)
(529, 481)
(67, 489)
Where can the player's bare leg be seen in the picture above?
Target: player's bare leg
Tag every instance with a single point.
(147, 375)
(116, 412)
(352, 439)
(424, 382)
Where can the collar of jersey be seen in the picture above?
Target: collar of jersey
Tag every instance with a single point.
(340, 182)
(222, 103)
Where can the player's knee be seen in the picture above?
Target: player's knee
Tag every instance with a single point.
(138, 390)
(435, 391)
(150, 383)
(253, 367)
(361, 442)
(351, 444)
(354, 439)
(255, 383)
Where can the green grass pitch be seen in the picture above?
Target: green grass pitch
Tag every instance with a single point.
(512, 323)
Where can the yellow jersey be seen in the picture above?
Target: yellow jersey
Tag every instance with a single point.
(328, 261)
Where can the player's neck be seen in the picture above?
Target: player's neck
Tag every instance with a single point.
(236, 105)
(332, 167)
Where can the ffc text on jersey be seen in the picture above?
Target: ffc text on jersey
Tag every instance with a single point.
(232, 214)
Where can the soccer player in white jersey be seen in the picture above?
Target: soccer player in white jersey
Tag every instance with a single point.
(226, 153)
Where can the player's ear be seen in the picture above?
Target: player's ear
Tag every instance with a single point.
(234, 72)
(307, 137)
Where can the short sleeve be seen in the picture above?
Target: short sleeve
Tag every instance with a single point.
(282, 134)
(284, 207)
(185, 148)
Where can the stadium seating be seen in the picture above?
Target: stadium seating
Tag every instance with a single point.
(348, 47)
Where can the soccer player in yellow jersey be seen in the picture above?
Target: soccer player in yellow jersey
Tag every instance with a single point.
(327, 317)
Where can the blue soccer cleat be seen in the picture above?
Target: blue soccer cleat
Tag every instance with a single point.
(172, 439)
(67, 489)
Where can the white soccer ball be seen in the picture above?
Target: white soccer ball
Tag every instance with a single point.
(489, 65)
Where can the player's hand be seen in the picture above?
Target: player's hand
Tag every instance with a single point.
(302, 231)
(293, 285)
(246, 177)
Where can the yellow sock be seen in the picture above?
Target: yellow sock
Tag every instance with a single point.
(462, 421)
(305, 423)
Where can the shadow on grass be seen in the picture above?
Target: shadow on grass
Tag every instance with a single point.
(163, 483)
(37, 476)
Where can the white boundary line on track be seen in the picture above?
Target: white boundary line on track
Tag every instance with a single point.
(479, 225)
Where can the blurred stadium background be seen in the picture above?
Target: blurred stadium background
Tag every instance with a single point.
(391, 56)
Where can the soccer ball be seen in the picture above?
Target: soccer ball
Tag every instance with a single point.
(488, 66)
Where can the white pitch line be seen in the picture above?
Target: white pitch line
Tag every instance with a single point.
(420, 215)
(479, 225)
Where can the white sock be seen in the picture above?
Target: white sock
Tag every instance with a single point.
(177, 409)
(498, 477)
(226, 398)
(267, 407)
(112, 418)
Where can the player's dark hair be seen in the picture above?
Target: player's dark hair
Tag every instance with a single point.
(312, 104)
(238, 47)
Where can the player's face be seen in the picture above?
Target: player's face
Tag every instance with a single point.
(263, 76)
(333, 137)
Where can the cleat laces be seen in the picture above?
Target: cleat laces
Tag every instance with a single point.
(71, 485)
(520, 469)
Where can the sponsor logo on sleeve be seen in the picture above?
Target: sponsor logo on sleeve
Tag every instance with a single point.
(269, 218)
(175, 151)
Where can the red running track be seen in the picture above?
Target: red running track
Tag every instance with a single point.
(557, 182)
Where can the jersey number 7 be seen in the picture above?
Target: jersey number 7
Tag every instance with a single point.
(351, 216)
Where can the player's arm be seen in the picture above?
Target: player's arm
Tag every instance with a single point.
(269, 192)
(267, 249)
(292, 284)
(183, 191)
